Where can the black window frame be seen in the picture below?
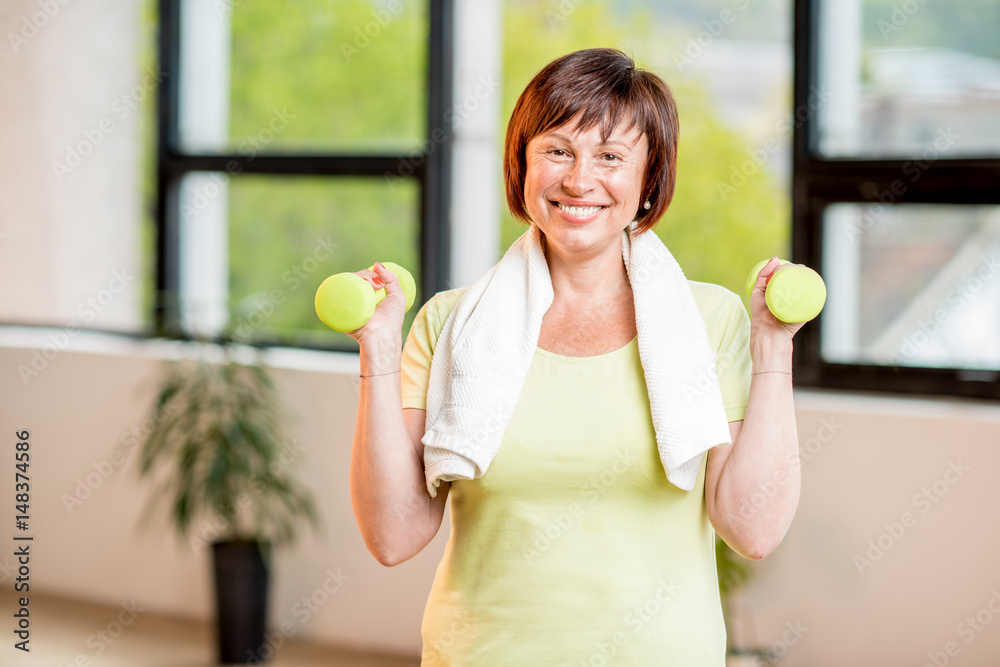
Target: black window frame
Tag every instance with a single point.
(432, 170)
(818, 182)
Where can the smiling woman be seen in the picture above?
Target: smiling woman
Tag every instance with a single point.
(580, 531)
(582, 96)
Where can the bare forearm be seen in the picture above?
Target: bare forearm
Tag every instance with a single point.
(758, 489)
(388, 493)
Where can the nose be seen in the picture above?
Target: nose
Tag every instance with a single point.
(578, 179)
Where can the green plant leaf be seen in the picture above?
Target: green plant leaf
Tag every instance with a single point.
(217, 440)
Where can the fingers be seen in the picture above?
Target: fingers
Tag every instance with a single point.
(386, 278)
(373, 278)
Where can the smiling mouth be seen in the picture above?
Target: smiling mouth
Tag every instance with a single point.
(579, 211)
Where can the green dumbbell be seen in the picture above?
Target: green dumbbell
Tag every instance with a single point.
(346, 301)
(794, 294)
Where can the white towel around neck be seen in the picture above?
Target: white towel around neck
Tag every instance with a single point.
(486, 347)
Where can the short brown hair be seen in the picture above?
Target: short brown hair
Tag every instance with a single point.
(602, 86)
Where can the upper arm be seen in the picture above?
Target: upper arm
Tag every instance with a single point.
(728, 327)
(416, 420)
(717, 457)
(418, 351)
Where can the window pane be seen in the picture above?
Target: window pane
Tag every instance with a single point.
(909, 79)
(912, 285)
(303, 75)
(286, 235)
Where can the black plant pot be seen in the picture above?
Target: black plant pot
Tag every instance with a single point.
(241, 580)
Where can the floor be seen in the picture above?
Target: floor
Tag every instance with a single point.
(64, 634)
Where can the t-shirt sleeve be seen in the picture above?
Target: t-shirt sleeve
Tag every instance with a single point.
(416, 359)
(418, 349)
(732, 355)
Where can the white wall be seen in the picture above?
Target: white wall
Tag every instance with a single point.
(70, 196)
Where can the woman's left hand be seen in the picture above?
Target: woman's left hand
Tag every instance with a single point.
(762, 320)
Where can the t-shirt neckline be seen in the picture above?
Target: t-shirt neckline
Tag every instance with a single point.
(591, 359)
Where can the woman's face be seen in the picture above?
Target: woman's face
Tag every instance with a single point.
(582, 191)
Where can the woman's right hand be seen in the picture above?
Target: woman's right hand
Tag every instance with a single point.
(387, 321)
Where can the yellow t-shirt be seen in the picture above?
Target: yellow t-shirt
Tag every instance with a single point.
(573, 548)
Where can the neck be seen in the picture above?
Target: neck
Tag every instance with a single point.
(589, 279)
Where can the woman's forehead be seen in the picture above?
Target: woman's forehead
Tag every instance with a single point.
(624, 132)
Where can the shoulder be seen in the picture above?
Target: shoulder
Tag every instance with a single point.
(444, 301)
(715, 301)
(437, 309)
(726, 320)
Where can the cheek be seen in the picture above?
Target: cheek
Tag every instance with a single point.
(537, 180)
(627, 186)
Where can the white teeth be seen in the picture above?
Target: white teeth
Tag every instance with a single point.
(581, 211)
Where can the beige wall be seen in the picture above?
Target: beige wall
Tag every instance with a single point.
(80, 410)
(867, 457)
(869, 461)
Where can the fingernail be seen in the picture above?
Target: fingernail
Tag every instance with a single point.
(379, 265)
(379, 283)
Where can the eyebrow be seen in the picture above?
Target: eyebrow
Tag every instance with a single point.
(558, 135)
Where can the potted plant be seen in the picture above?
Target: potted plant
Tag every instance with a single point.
(220, 461)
